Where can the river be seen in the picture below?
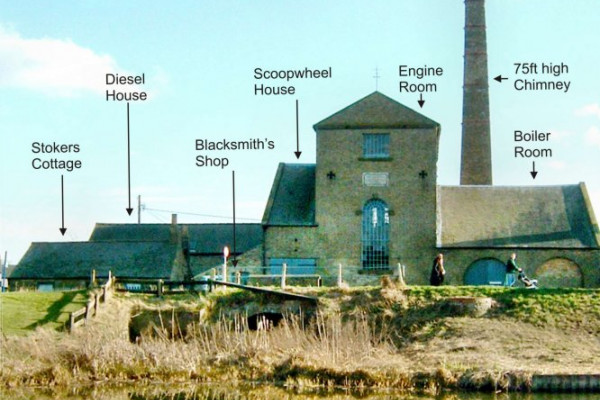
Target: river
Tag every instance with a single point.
(250, 392)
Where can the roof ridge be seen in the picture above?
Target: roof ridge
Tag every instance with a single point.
(376, 110)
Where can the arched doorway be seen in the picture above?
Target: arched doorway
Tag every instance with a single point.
(375, 235)
(559, 272)
(487, 271)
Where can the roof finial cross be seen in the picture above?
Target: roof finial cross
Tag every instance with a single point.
(376, 76)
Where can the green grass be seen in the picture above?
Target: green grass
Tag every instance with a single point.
(22, 312)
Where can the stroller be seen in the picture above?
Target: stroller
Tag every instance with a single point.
(529, 283)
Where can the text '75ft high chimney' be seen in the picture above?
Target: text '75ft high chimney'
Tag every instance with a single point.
(476, 157)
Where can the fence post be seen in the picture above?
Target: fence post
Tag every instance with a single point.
(96, 303)
(87, 312)
(93, 278)
(213, 277)
(340, 280)
(283, 274)
(71, 322)
(159, 289)
(401, 272)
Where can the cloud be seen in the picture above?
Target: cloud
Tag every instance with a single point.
(557, 165)
(590, 109)
(561, 136)
(58, 67)
(592, 136)
(595, 200)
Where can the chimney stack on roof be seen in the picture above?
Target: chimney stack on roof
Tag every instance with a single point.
(476, 156)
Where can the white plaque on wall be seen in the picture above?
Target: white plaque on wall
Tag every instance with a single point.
(376, 178)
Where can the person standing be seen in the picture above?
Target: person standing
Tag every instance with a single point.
(437, 271)
(511, 270)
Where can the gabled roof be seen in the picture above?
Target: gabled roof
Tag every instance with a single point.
(131, 232)
(520, 216)
(77, 260)
(203, 238)
(292, 198)
(376, 111)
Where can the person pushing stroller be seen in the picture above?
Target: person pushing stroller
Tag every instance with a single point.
(514, 272)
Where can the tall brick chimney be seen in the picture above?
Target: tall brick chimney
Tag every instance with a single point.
(476, 156)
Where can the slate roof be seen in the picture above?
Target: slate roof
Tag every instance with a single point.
(131, 232)
(132, 259)
(292, 198)
(203, 238)
(520, 216)
(211, 238)
(376, 111)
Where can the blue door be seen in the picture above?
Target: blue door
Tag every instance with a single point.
(487, 271)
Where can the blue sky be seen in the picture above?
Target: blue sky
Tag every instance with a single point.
(198, 58)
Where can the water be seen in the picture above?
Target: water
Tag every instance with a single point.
(247, 392)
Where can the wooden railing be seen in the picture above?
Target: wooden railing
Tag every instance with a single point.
(82, 315)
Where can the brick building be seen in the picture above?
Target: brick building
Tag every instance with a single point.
(371, 201)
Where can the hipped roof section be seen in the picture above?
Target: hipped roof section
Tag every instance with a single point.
(292, 198)
(63, 260)
(519, 216)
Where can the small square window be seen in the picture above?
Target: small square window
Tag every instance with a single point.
(376, 145)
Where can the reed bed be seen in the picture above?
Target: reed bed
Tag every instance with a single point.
(375, 338)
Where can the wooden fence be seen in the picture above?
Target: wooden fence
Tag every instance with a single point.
(82, 315)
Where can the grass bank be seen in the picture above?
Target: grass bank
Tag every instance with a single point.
(22, 312)
(370, 337)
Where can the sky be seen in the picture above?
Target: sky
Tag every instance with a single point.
(199, 59)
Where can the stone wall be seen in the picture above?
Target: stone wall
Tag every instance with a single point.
(290, 242)
(457, 261)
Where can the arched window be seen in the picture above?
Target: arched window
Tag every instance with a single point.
(375, 235)
(559, 272)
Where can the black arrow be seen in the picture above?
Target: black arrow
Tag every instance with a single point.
(533, 172)
(297, 152)
(499, 78)
(62, 204)
(421, 101)
(129, 209)
(234, 261)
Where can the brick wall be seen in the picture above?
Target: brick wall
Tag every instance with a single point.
(410, 197)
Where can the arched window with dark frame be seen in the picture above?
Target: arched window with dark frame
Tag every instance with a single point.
(375, 235)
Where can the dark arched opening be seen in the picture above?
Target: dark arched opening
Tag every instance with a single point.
(263, 321)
